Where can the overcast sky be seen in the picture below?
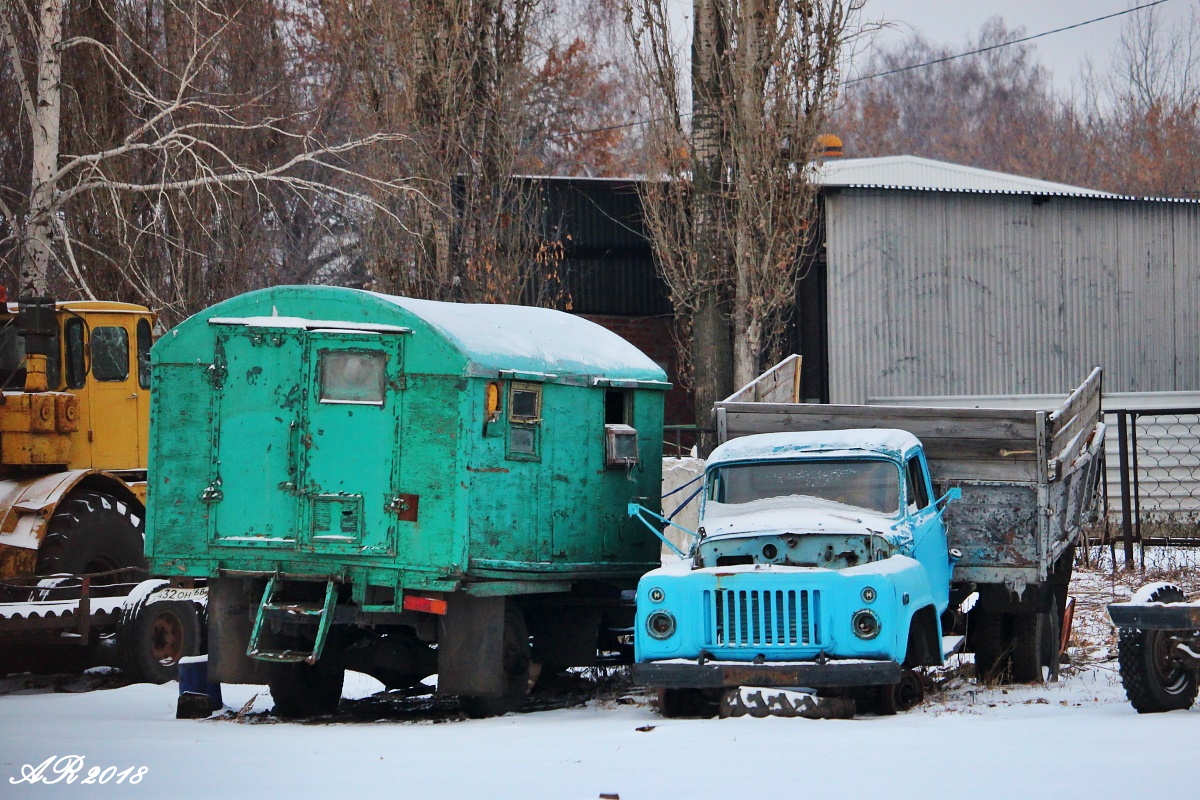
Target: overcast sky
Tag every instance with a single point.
(953, 22)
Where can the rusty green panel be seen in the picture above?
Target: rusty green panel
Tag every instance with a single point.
(338, 432)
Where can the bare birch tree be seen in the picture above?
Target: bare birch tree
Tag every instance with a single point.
(194, 143)
(764, 76)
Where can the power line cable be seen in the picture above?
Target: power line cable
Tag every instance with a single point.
(898, 70)
(1003, 44)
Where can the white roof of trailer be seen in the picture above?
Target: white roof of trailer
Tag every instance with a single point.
(533, 340)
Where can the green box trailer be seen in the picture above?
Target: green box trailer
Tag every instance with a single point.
(402, 487)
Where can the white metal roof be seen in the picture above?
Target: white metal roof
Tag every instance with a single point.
(791, 444)
(914, 172)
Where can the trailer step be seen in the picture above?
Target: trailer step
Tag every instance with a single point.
(320, 616)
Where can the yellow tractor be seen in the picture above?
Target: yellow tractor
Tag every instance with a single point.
(74, 429)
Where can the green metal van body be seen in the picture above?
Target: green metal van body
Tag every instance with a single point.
(321, 431)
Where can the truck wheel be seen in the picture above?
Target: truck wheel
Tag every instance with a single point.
(1153, 680)
(517, 660)
(1036, 639)
(301, 690)
(905, 695)
(92, 532)
(152, 637)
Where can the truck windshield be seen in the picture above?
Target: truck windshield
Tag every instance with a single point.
(870, 484)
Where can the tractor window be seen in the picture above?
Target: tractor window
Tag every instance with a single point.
(76, 363)
(12, 356)
(143, 353)
(110, 353)
(353, 377)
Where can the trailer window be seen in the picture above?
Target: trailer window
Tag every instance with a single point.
(110, 353)
(355, 377)
(525, 403)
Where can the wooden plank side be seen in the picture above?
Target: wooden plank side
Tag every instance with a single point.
(748, 418)
(980, 449)
(1088, 391)
(779, 384)
(1082, 423)
(946, 472)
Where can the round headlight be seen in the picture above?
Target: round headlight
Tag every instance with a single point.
(657, 595)
(868, 594)
(660, 625)
(865, 624)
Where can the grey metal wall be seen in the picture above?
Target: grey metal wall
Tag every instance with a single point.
(943, 293)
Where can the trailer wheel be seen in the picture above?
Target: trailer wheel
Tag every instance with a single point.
(1036, 640)
(517, 660)
(301, 690)
(92, 532)
(152, 637)
(1153, 680)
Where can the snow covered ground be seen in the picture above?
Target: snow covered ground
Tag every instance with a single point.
(1076, 738)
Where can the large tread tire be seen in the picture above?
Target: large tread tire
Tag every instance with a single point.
(1036, 639)
(153, 636)
(517, 662)
(90, 532)
(1153, 682)
(301, 690)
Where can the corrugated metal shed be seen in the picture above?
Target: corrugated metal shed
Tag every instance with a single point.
(914, 172)
(942, 293)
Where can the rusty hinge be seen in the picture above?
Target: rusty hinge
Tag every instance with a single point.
(404, 506)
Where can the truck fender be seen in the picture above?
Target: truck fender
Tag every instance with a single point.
(924, 639)
(27, 503)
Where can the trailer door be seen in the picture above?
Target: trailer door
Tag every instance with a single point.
(350, 444)
(258, 379)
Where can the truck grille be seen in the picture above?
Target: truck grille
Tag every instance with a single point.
(740, 617)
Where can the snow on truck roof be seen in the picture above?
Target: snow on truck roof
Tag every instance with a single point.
(766, 446)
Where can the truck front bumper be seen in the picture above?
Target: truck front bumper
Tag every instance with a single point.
(834, 674)
(1156, 616)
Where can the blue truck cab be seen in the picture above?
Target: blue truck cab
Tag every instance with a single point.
(821, 562)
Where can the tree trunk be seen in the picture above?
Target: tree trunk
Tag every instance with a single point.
(712, 359)
(45, 131)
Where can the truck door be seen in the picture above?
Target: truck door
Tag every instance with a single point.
(115, 396)
(350, 442)
(258, 383)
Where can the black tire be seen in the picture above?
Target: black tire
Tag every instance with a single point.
(988, 638)
(301, 690)
(693, 703)
(1036, 639)
(152, 637)
(905, 695)
(517, 659)
(91, 532)
(1153, 681)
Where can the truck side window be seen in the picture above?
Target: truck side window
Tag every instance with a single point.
(143, 353)
(110, 353)
(76, 362)
(918, 494)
